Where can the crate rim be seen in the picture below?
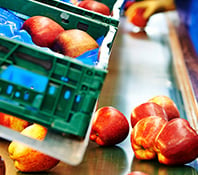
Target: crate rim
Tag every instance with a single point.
(110, 20)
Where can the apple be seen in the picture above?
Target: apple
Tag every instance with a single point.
(74, 42)
(143, 136)
(27, 159)
(177, 143)
(95, 6)
(12, 122)
(138, 19)
(43, 30)
(167, 104)
(137, 173)
(145, 110)
(109, 126)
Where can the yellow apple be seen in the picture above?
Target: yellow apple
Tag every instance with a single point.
(27, 159)
(12, 122)
(74, 42)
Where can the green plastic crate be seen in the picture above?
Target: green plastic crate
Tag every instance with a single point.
(114, 6)
(48, 88)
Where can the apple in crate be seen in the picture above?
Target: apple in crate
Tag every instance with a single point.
(95, 6)
(74, 42)
(13, 122)
(27, 159)
(143, 136)
(43, 30)
(145, 110)
(177, 143)
(167, 104)
(109, 126)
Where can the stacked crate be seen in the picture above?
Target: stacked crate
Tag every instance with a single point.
(63, 91)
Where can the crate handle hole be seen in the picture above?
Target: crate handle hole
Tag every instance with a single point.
(66, 21)
(78, 98)
(52, 90)
(67, 94)
(26, 95)
(82, 26)
(9, 89)
(17, 94)
(65, 79)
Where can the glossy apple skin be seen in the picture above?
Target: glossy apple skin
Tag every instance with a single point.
(13, 122)
(145, 110)
(43, 30)
(177, 143)
(143, 136)
(168, 105)
(27, 159)
(138, 19)
(74, 42)
(137, 173)
(109, 126)
(95, 6)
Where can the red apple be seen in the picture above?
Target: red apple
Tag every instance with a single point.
(109, 126)
(143, 136)
(43, 30)
(167, 104)
(145, 110)
(95, 6)
(138, 19)
(12, 122)
(74, 42)
(177, 143)
(137, 173)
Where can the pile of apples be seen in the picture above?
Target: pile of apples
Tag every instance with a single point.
(45, 32)
(158, 131)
